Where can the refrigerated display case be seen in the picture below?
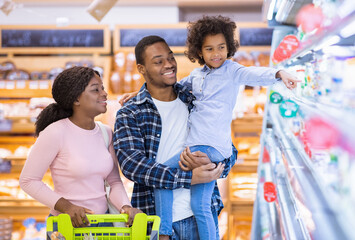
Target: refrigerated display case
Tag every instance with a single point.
(307, 161)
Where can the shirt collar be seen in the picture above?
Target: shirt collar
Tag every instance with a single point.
(144, 95)
(207, 69)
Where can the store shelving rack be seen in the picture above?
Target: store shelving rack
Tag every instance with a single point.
(305, 208)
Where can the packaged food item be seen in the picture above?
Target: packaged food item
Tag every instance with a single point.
(7, 66)
(116, 82)
(244, 58)
(45, 75)
(120, 60)
(53, 73)
(18, 75)
(71, 64)
(86, 63)
(99, 8)
(35, 75)
(100, 70)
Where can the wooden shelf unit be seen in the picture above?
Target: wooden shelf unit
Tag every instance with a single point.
(13, 91)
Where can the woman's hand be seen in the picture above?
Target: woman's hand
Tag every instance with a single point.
(77, 214)
(126, 96)
(131, 213)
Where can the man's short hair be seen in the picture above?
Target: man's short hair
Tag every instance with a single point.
(143, 44)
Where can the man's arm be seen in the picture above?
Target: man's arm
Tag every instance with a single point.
(134, 163)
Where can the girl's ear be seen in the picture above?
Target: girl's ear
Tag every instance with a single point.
(141, 69)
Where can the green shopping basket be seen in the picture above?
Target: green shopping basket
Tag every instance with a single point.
(138, 230)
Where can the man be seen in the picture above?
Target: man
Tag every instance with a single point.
(151, 128)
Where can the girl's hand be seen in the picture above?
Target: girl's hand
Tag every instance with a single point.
(289, 80)
(77, 214)
(131, 213)
(126, 96)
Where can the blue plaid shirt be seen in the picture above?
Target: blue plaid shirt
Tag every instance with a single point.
(136, 140)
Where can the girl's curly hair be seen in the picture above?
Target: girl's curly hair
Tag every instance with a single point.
(210, 25)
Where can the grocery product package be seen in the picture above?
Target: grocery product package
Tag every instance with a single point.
(99, 8)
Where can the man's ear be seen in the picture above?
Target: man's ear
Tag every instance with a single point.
(141, 69)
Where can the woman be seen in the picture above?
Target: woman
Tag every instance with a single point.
(71, 144)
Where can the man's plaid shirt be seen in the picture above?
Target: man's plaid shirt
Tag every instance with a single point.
(136, 140)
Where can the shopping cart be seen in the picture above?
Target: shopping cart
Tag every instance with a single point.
(138, 230)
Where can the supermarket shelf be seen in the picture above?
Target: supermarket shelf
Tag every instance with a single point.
(16, 163)
(329, 222)
(247, 166)
(25, 88)
(325, 37)
(242, 207)
(293, 226)
(341, 118)
(23, 127)
(250, 123)
(20, 209)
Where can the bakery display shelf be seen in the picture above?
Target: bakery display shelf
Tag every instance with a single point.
(21, 211)
(247, 166)
(20, 127)
(249, 123)
(241, 207)
(16, 163)
(25, 88)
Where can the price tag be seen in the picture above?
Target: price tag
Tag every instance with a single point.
(5, 125)
(266, 156)
(43, 84)
(20, 84)
(2, 84)
(33, 84)
(275, 97)
(269, 192)
(10, 85)
(288, 108)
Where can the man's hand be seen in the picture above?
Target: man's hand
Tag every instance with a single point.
(77, 214)
(289, 80)
(189, 160)
(206, 173)
(126, 96)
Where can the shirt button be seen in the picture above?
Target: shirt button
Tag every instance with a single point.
(153, 156)
(158, 135)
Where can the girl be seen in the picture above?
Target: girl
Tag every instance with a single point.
(211, 41)
(72, 146)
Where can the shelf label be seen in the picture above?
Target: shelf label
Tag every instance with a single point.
(5, 125)
(43, 84)
(20, 84)
(2, 84)
(288, 108)
(10, 85)
(269, 192)
(33, 84)
(275, 97)
(266, 156)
